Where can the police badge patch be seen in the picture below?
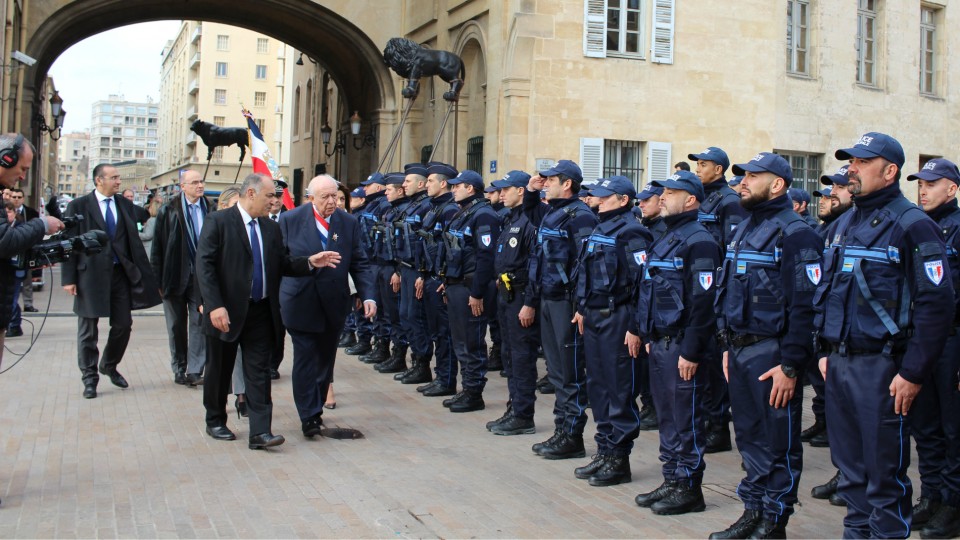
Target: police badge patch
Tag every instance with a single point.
(513, 242)
(814, 273)
(934, 270)
(640, 257)
(485, 239)
(706, 280)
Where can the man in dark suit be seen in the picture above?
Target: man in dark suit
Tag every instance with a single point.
(173, 257)
(240, 258)
(24, 214)
(110, 283)
(314, 308)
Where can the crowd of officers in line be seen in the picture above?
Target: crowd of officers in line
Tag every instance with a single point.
(698, 296)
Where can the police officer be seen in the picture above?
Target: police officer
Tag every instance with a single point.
(675, 318)
(429, 284)
(565, 221)
(355, 324)
(734, 184)
(936, 424)
(772, 268)
(388, 280)
(648, 200)
(410, 262)
(608, 268)
(801, 205)
(720, 213)
(516, 309)
(495, 360)
(886, 274)
(375, 204)
(469, 240)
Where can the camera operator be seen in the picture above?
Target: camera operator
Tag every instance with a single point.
(16, 155)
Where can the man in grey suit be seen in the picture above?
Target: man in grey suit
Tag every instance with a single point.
(110, 283)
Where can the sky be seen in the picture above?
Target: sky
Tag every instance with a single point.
(123, 61)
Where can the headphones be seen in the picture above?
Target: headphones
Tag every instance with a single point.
(9, 157)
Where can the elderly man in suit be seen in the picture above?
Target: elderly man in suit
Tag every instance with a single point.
(240, 258)
(110, 283)
(314, 308)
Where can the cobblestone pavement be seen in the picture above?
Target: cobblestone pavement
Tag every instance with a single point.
(137, 463)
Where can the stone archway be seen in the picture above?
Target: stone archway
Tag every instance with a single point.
(470, 45)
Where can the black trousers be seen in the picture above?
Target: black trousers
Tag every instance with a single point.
(256, 341)
(314, 355)
(121, 322)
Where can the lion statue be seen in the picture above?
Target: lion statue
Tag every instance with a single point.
(411, 61)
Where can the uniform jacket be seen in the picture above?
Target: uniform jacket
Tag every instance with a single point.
(515, 248)
(721, 211)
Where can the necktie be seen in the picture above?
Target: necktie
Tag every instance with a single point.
(194, 222)
(274, 217)
(256, 289)
(111, 220)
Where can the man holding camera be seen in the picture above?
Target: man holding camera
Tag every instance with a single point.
(16, 154)
(110, 283)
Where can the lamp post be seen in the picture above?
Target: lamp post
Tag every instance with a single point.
(56, 109)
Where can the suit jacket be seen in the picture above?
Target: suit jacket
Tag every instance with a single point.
(224, 269)
(28, 214)
(322, 300)
(92, 273)
(170, 252)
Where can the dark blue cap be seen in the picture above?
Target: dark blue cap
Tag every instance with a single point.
(685, 181)
(468, 177)
(615, 185)
(766, 162)
(415, 168)
(375, 178)
(649, 191)
(823, 192)
(565, 167)
(435, 167)
(873, 145)
(513, 179)
(491, 188)
(799, 195)
(735, 181)
(394, 178)
(358, 193)
(936, 169)
(713, 154)
(839, 178)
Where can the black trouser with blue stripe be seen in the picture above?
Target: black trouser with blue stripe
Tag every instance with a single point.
(467, 337)
(390, 303)
(768, 438)
(519, 352)
(563, 350)
(613, 379)
(870, 444)
(936, 427)
(680, 415)
(438, 328)
(413, 318)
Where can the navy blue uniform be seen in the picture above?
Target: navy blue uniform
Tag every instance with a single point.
(936, 424)
(565, 224)
(442, 208)
(720, 213)
(657, 226)
(515, 247)
(881, 313)
(675, 315)
(490, 302)
(375, 234)
(772, 268)
(408, 250)
(385, 258)
(608, 271)
(469, 241)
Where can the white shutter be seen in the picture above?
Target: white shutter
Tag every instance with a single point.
(591, 158)
(594, 28)
(659, 163)
(661, 44)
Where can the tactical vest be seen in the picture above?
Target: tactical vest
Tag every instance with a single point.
(601, 272)
(950, 227)
(407, 247)
(459, 243)
(384, 251)
(558, 251)
(752, 299)
(660, 305)
(432, 235)
(868, 298)
(709, 214)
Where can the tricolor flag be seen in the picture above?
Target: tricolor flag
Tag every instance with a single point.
(263, 162)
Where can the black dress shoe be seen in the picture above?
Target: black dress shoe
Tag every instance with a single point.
(265, 440)
(682, 499)
(14, 331)
(311, 426)
(180, 378)
(826, 490)
(646, 500)
(589, 469)
(116, 378)
(742, 528)
(30, 309)
(514, 426)
(220, 433)
(944, 524)
(567, 446)
(274, 374)
(90, 391)
(924, 510)
(194, 379)
(241, 408)
(615, 470)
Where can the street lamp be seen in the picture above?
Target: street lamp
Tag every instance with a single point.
(325, 133)
(365, 140)
(56, 109)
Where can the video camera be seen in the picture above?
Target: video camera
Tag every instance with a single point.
(57, 248)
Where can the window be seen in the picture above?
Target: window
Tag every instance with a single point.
(223, 43)
(601, 158)
(619, 28)
(117, 141)
(138, 154)
(128, 132)
(475, 154)
(151, 121)
(928, 28)
(218, 153)
(261, 72)
(308, 106)
(624, 27)
(151, 133)
(141, 132)
(425, 153)
(259, 99)
(128, 153)
(220, 96)
(806, 169)
(622, 158)
(129, 109)
(118, 131)
(128, 120)
(221, 69)
(262, 45)
(296, 111)
(151, 154)
(104, 141)
(798, 13)
(141, 121)
(219, 121)
(106, 119)
(260, 124)
(867, 42)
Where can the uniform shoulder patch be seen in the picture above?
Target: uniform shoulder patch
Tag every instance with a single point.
(706, 280)
(814, 273)
(485, 239)
(934, 271)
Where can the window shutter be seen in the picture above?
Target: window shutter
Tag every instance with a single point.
(659, 163)
(594, 28)
(591, 158)
(661, 46)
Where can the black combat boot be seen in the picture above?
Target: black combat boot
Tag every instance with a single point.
(472, 400)
(683, 498)
(419, 373)
(549, 442)
(837, 500)
(439, 390)
(924, 510)
(507, 414)
(646, 500)
(494, 361)
(826, 490)
(423, 388)
(362, 347)
(718, 438)
(456, 397)
(615, 470)
(818, 427)
(567, 446)
(396, 363)
(588, 470)
(515, 426)
(347, 339)
(771, 528)
(648, 418)
(742, 528)
(544, 386)
(944, 524)
(379, 353)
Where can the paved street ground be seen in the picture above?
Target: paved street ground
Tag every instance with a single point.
(137, 463)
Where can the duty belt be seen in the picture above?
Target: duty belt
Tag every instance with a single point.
(744, 340)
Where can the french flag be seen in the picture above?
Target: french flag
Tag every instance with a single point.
(263, 162)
